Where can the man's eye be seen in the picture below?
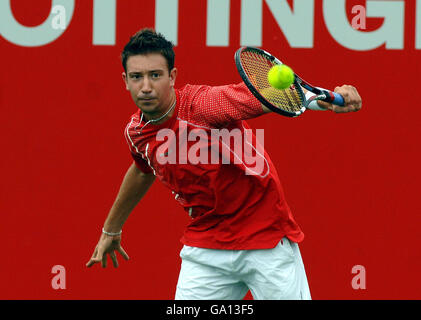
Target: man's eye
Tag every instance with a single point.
(155, 75)
(135, 76)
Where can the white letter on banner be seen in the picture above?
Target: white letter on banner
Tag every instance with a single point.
(166, 19)
(391, 32)
(418, 26)
(37, 36)
(251, 23)
(104, 22)
(297, 26)
(218, 23)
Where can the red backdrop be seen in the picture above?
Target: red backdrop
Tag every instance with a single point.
(351, 180)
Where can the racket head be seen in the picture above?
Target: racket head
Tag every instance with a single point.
(253, 65)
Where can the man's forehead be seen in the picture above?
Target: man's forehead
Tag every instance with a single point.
(146, 62)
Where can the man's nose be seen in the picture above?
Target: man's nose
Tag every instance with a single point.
(146, 85)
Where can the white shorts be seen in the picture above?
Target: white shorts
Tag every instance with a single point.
(270, 274)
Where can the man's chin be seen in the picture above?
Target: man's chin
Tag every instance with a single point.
(150, 110)
(148, 106)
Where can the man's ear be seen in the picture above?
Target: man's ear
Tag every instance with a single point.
(173, 76)
(124, 76)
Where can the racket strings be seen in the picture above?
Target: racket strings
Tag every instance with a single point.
(256, 67)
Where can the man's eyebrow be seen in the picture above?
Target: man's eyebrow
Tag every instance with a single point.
(149, 71)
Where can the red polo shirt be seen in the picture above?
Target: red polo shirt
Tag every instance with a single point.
(234, 203)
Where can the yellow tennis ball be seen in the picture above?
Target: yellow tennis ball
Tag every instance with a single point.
(281, 76)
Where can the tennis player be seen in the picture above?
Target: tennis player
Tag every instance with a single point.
(242, 235)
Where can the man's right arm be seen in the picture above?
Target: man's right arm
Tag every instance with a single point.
(134, 186)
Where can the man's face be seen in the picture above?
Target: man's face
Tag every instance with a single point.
(150, 84)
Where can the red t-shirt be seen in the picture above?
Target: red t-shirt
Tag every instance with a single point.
(233, 203)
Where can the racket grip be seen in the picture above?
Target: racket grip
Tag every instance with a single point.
(337, 99)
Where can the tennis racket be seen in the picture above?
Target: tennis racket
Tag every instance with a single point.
(253, 64)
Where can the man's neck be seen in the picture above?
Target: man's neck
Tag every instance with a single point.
(167, 114)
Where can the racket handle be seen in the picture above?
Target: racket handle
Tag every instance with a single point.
(332, 97)
(338, 99)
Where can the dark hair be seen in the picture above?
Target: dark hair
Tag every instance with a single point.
(148, 41)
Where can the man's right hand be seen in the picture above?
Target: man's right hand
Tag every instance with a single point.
(107, 245)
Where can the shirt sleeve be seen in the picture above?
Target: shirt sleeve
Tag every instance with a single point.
(141, 163)
(222, 105)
